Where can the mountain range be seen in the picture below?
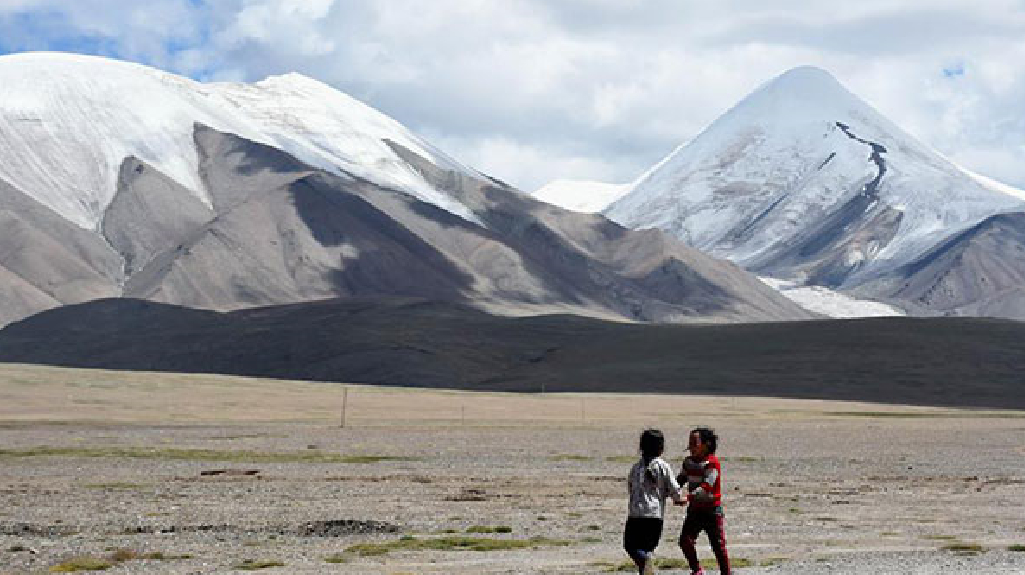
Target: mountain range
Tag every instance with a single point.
(120, 180)
(804, 182)
(284, 229)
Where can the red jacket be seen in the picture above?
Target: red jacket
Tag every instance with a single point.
(703, 479)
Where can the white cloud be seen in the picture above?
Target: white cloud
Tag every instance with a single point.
(531, 90)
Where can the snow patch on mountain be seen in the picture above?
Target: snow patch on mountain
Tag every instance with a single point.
(991, 184)
(68, 121)
(830, 303)
(580, 195)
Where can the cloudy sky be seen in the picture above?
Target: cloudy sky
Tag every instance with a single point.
(532, 90)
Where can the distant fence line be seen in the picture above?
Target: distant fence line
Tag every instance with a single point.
(362, 406)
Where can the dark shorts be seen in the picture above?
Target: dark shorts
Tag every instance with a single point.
(642, 533)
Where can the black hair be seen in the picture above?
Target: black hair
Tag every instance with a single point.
(652, 444)
(708, 437)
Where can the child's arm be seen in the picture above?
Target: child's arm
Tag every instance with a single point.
(674, 489)
(704, 492)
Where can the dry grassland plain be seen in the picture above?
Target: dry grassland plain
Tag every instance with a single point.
(166, 473)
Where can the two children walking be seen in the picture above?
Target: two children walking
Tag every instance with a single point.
(651, 482)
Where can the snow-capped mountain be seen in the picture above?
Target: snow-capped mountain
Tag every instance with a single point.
(121, 180)
(585, 196)
(68, 121)
(803, 181)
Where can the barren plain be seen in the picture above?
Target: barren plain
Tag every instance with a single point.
(166, 473)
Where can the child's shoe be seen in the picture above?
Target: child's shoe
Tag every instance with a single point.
(700, 571)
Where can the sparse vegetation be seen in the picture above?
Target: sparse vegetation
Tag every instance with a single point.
(198, 455)
(675, 563)
(452, 543)
(1016, 547)
(117, 556)
(83, 563)
(489, 529)
(122, 555)
(570, 458)
(964, 548)
(254, 565)
(115, 485)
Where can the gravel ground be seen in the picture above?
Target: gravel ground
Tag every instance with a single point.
(806, 493)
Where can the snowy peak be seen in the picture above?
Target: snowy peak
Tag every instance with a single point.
(804, 181)
(67, 122)
(580, 195)
(803, 92)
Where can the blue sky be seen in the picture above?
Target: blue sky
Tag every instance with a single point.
(531, 90)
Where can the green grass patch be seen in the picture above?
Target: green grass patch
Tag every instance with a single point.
(338, 558)
(161, 556)
(84, 563)
(674, 563)
(622, 458)
(489, 529)
(254, 565)
(452, 543)
(570, 458)
(197, 455)
(115, 485)
(117, 556)
(941, 537)
(660, 563)
(1016, 547)
(965, 548)
(772, 561)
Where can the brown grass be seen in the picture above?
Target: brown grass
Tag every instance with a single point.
(51, 394)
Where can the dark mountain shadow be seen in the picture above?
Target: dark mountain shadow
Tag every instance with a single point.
(234, 168)
(388, 260)
(961, 362)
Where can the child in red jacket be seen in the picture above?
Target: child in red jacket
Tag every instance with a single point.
(702, 475)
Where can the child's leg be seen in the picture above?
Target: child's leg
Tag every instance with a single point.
(632, 543)
(689, 536)
(716, 529)
(640, 539)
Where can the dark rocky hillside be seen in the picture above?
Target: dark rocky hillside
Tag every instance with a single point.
(966, 362)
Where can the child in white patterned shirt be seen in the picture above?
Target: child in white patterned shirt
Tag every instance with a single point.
(650, 482)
